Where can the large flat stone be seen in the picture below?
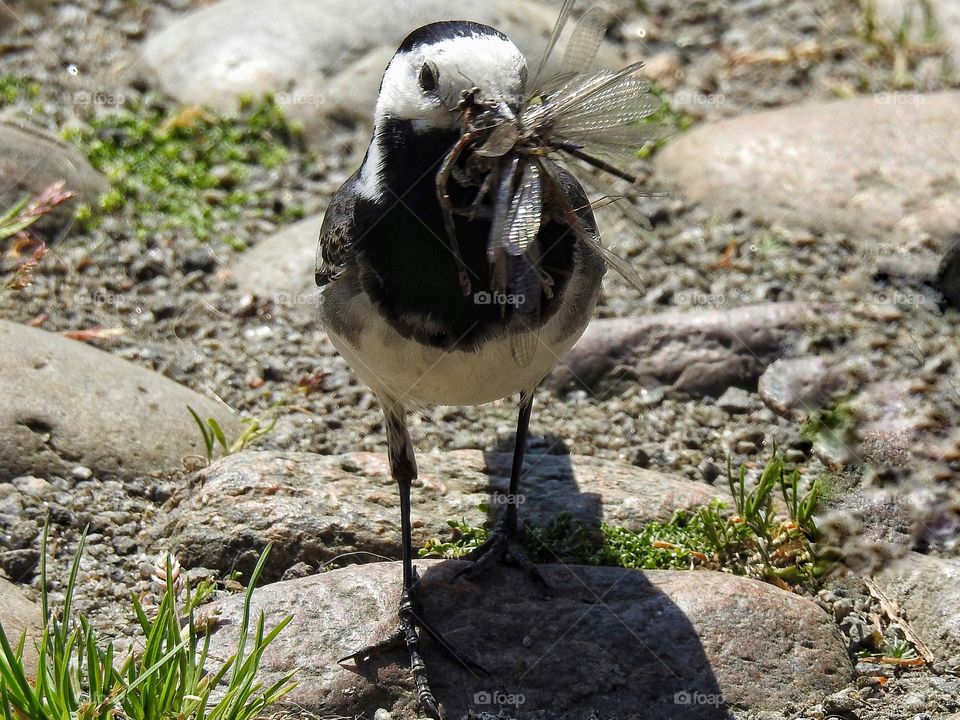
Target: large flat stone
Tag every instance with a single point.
(701, 352)
(314, 507)
(68, 404)
(882, 169)
(281, 267)
(322, 58)
(609, 642)
(19, 615)
(796, 387)
(32, 160)
(928, 588)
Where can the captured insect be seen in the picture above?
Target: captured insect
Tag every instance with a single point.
(505, 150)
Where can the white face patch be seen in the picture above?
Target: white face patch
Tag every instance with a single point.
(492, 64)
(488, 62)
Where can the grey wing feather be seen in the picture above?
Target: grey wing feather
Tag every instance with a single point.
(337, 234)
(577, 197)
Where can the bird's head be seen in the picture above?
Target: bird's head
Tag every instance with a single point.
(437, 64)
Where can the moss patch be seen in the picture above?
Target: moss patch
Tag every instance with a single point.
(189, 170)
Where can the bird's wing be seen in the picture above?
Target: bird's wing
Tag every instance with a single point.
(578, 199)
(337, 234)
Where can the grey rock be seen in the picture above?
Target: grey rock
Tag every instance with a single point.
(735, 400)
(885, 423)
(947, 279)
(32, 486)
(69, 404)
(843, 701)
(795, 387)
(281, 267)
(893, 420)
(32, 160)
(19, 615)
(928, 588)
(701, 352)
(606, 640)
(322, 58)
(18, 564)
(854, 166)
(314, 508)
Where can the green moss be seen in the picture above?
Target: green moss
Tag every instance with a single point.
(833, 420)
(752, 538)
(14, 89)
(186, 170)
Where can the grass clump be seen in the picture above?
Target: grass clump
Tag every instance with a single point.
(253, 430)
(755, 538)
(79, 676)
(186, 170)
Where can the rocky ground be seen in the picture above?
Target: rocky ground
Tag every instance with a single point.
(794, 237)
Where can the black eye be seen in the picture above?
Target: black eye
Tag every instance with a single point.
(429, 76)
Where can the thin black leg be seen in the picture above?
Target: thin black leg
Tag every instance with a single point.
(403, 469)
(504, 540)
(519, 450)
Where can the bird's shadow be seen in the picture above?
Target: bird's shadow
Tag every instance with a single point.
(605, 640)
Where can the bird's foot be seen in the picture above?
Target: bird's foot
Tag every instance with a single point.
(503, 541)
(405, 634)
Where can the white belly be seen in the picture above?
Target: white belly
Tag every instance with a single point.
(413, 373)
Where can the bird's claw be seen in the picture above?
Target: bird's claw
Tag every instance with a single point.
(501, 543)
(406, 634)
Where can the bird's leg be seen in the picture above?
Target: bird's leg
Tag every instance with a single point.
(403, 468)
(505, 538)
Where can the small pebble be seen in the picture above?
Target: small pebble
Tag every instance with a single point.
(735, 400)
(82, 472)
(32, 486)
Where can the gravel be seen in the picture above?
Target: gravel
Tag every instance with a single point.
(186, 318)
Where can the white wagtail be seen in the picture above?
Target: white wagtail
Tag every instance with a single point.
(459, 263)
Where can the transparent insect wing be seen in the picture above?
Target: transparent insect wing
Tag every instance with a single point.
(562, 18)
(525, 315)
(585, 41)
(575, 94)
(526, 211)
(524, 338)
(504, 206)
(624, 268)
(622, 104)
(501, 140)
(503, 212)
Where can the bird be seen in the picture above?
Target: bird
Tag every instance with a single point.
(423, 298)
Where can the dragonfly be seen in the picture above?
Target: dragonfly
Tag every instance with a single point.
(506, 152)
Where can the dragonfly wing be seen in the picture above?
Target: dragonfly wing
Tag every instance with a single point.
(585, 42)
